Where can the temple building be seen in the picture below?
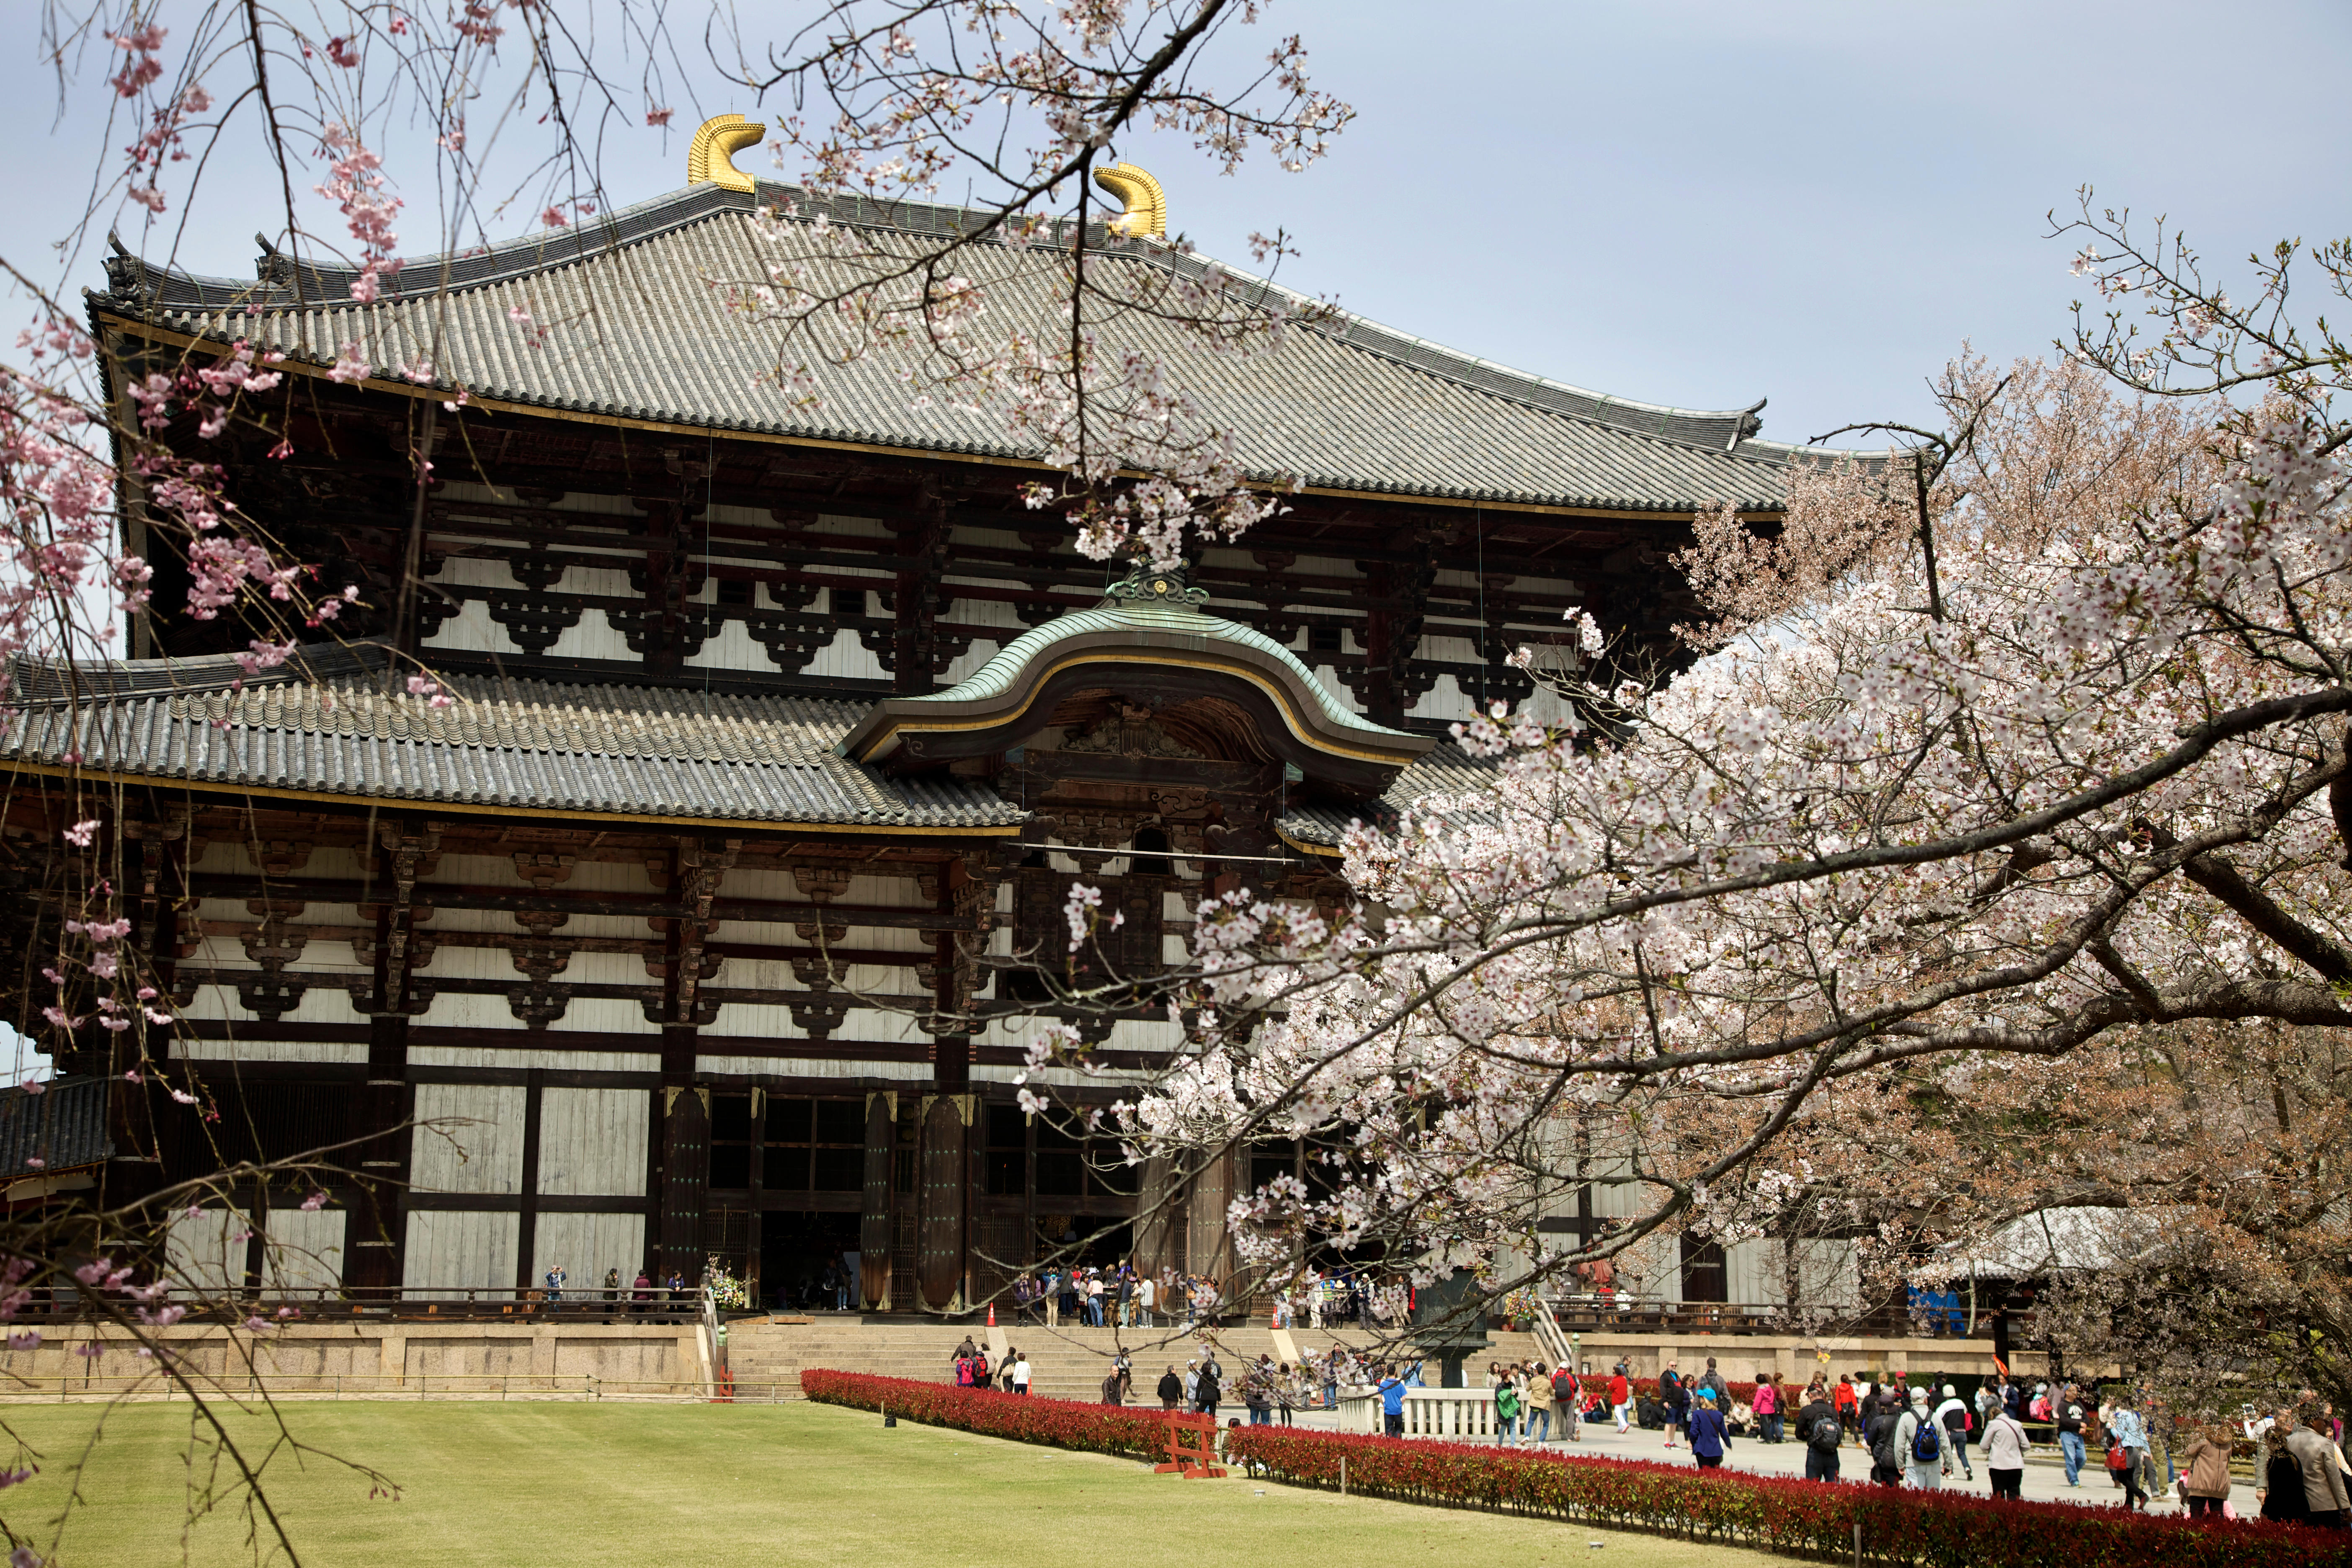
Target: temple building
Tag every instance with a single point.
(773, 720)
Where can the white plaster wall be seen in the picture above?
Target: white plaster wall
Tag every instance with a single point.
(592, 1142)
(448, 1250)
(587, 1245)
(306, 1248)
(485, 1156)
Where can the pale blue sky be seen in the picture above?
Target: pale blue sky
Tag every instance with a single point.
(1683, 201)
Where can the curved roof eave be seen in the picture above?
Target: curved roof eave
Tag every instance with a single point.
(1000, 699)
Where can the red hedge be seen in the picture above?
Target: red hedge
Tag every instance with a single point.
(1932, 1530)
(1938, 1528)
(1024, 1418)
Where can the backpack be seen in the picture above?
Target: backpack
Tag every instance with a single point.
(1563, 1384)
(1826, 1436)
(1927, 1442)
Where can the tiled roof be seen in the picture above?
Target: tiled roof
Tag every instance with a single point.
(327, 726)
(62, 1128)
(642, 333)
(1448, 770)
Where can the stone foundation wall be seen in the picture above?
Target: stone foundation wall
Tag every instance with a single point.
(450, 1360)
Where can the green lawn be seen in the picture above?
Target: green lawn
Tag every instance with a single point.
(744, 1486)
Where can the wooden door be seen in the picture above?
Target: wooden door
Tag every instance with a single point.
(686, 1180)
(1705, 1278)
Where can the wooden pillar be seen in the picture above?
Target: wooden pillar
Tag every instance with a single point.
(940, 1262)
(527, 1204)
(376, 1241)
(873, 1212)
(1207, 1249)
(1159, 1213)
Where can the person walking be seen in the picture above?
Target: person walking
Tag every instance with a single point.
(1953, 1416)
(1919, 1441)
(1819, 1428)
(1205, 1392)
(1849, 1406)
(2206, 1483)
(1145, 1294)
(1709, 1436)
(2006, 1443)
(1620, 1396)
(1171, 1388)
(1878, 1438)
(1285, 1392)
(1114, 1390)
(2325, 1500)
(1332, 1380)
(2067, 1410)
(2128, 1450)
(611, 1292)
(1539, 1398)
(1021, 1372)
(2278, 1474)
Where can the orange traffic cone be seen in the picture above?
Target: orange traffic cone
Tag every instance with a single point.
(992, 1314)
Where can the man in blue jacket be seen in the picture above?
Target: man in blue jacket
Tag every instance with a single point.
(1392, 1401)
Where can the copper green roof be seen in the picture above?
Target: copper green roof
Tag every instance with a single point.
(1149, 626)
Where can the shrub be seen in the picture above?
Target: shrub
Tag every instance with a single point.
(1024, 1418)
(1936, 1530)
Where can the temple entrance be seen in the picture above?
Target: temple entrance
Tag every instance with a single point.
(794, 1249)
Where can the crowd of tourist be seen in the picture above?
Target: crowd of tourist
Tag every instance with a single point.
(1919, 1434)
(1121, 1294)
(1097, 1297)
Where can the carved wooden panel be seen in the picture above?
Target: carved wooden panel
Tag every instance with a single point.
(1129, 952)
(942, 1261)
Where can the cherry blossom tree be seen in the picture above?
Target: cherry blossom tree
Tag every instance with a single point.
(2007, 769)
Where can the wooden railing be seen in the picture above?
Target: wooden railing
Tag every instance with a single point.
(1624, 1314)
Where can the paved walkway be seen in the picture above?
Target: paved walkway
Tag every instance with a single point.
(2045, 1474)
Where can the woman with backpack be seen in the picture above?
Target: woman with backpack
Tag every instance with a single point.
(1567, 1397)
(1507, 1406)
